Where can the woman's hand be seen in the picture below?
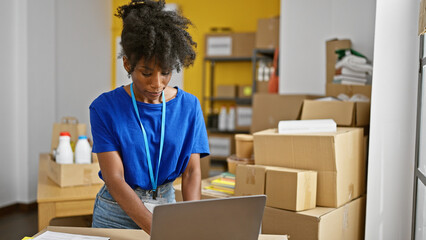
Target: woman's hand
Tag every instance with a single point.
(191, 179)
(113, 175)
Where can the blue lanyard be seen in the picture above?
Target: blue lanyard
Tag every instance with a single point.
(148, 156)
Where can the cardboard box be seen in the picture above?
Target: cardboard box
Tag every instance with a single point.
(291, 189)
(230, 44)
(331, 56)
(243, 118)
(250, 180)
(205, 167)
(226, 91)
(268, 33)
(262, 86)
(345, 114)
(346, 222)
(221, 145)
(244, 146)
(245, 91)
(269, 109)
(422, 17)
(337, 157)
(67, 124)
(66, 175)
(334, 90)
(125, 234)
(233, 162)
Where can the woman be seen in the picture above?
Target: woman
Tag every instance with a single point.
(147, 134)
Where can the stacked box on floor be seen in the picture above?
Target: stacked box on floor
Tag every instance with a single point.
(346, 222)
(344, 113)
(337, 157)
(269, 109)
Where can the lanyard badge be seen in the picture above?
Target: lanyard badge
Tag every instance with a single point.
(148, 155)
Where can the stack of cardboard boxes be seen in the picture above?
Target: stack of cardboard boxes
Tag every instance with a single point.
(314, 183)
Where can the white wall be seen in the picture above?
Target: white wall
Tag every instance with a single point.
(56, 60)
(305, 27)
(393, 119)
(83, 55)
(41, 85)
(8, 97)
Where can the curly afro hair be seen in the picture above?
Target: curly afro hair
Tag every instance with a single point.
(150, 33)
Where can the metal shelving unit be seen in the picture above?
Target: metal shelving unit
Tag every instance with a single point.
(259, 54)
(210, 97)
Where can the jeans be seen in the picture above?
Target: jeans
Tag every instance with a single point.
(108, 214)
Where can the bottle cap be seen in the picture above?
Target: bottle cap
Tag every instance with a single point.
(82, 137)
(65, 134)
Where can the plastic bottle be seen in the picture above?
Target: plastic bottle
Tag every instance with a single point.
(230, 126)
(64, 154)
(83, 151)
(222, 119)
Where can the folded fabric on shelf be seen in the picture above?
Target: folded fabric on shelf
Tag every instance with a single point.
(343, 77)
(354, 63)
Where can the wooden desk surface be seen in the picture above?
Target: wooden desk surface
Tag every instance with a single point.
(126, 234)
(49, 191)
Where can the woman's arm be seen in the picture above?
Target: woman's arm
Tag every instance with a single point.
(191, 179)
(113, 175)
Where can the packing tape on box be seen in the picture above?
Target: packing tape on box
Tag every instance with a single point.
(351, 191)
(251, 176)
(345, 223)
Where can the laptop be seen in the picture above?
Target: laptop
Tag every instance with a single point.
(232, 218)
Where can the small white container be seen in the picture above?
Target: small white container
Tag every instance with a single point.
(83, 151)
(230, 125)
(223, 116)
(64, 154)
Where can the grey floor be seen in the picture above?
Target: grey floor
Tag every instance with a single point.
(19, 224)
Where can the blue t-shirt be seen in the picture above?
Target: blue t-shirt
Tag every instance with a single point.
(115, 128)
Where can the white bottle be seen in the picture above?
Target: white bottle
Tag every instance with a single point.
(222, 119)
(230, 126)
(83, 151)
(64, 154)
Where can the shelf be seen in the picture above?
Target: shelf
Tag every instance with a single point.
(208, 82)
(213, 130)
(269, 52)
(218, 158)
(241, 101)
(227, 59)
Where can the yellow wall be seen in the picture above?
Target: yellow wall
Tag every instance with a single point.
(239, 15)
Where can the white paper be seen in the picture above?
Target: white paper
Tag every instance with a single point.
(49, 235)
(150, 206)
(307, 126)
(244, 116)
(219, 46)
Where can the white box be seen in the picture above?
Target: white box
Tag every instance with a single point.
(243, 118)
(220, 146)
(219, 46)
